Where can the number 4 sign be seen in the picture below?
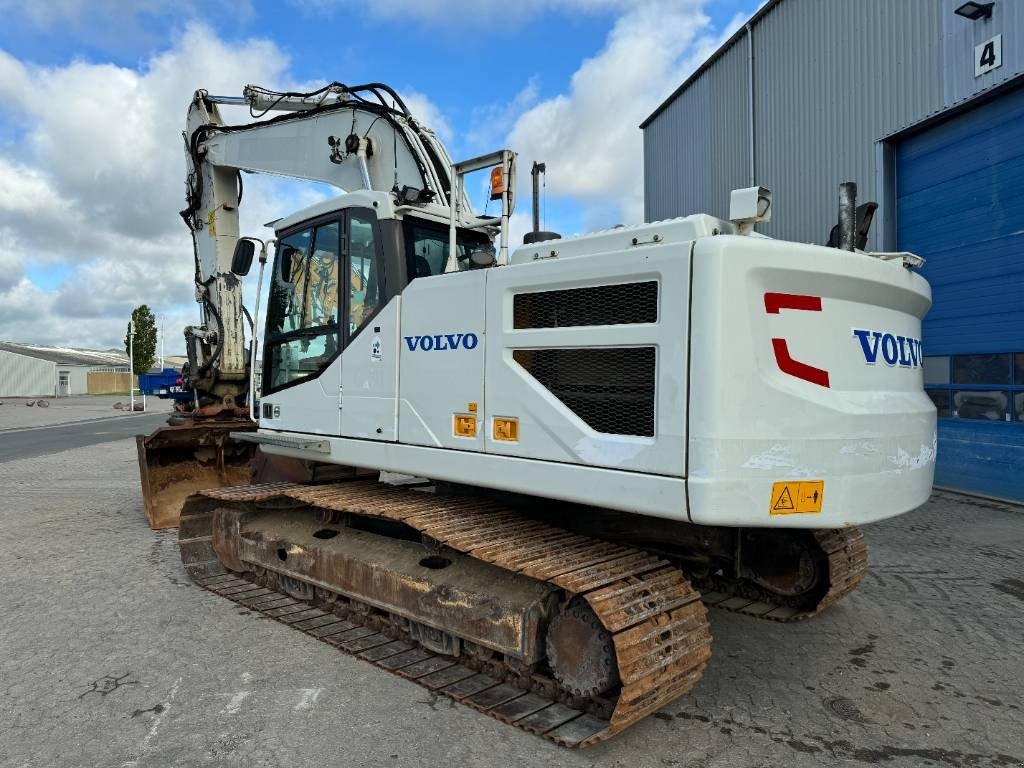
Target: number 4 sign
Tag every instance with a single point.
(988, 55)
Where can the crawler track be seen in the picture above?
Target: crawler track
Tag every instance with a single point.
(847, 563)
(656, 618)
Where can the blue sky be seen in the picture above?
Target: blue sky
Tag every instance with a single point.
(96, 95)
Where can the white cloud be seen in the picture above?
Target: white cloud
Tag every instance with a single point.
(99, 177)
(489, 123)
(12, 266)
(427, 113)
(24, 189)
(588, 135)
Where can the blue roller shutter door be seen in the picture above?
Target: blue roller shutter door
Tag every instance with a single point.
(960, 205)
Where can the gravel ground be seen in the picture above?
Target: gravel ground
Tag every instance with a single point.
(109, 657)
(63, 410)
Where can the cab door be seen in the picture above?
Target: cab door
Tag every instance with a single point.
(369, 370)
(304, 336)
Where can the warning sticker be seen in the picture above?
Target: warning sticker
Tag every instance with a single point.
(796, 497)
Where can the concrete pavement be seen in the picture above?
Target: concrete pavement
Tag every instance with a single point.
(110, 657)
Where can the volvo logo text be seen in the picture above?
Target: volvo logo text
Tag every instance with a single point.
(441, 342)
(902, 351)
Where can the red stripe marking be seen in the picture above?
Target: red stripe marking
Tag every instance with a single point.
(794, 367)
(773, 302)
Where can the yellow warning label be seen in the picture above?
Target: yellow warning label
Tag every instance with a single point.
(796, 497)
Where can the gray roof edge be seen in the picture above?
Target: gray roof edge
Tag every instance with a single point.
(759, 14)
(66, 356)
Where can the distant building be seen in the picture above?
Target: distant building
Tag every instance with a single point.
(920, 103)
(32, 370)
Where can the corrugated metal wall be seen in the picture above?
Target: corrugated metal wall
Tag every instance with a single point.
(832, 78)
(691, 161)
(23, 376)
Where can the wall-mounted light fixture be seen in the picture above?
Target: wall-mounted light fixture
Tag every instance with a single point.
(975, 11)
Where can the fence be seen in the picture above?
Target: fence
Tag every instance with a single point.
(108, 382)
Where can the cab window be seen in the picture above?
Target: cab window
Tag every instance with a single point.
(364, 296)
(302, 332)
(426, 247)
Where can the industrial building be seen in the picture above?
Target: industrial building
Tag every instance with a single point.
(31, 370)
(922, 104)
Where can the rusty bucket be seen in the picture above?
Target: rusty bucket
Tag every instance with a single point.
(177, 461)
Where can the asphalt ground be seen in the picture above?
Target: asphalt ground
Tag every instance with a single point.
(110, 657)
(29, 442)
(15, 414)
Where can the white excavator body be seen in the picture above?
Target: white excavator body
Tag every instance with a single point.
(673, 369)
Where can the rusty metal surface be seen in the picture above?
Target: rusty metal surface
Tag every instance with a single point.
(390, 574)
(177, 461)
(845, 555)
(655, 619)
(581, 651)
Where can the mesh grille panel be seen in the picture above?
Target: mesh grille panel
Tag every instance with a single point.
(611, 389)
(598, 305)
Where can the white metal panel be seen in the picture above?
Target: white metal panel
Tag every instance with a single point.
(622, 239)
(868, 433)
(441, 358)
(654, 495)
(310, 407)
(369, 378)
(548, 429)
(23, 376)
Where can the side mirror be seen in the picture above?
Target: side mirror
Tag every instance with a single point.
(241, 260)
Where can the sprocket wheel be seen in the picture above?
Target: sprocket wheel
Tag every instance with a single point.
(580, 650)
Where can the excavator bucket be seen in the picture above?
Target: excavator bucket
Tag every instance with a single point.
(177, 461)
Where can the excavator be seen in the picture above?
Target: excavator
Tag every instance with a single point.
(518, 475)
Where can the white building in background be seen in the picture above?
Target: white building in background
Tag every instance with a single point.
(32, 370)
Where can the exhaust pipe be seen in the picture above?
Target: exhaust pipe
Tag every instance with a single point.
(536, 235)
(536, 171)
(848, 215)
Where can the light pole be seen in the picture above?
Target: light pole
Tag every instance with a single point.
(131, 363)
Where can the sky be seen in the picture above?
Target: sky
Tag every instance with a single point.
(94, 96)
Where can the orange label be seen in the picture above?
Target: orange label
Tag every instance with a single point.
(506, 428)
(464, 425)
(796, 497)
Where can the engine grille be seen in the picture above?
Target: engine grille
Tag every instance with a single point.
(619, 304)
(609, 388)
